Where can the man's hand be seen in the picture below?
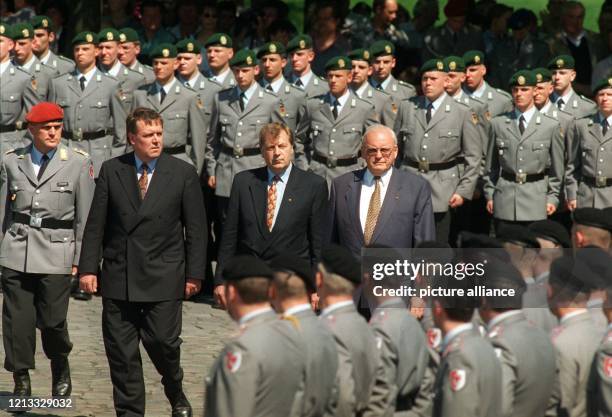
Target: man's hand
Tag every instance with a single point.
(571, 205)
(75, 271)
(192, 287)
(550, 209)
(219, 293)
(212, 182)
(490, 206)
(455, 201)
(88, 283)
(314, 301)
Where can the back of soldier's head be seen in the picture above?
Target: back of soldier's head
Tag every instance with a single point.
(250, 277)
(340, 271)
(292, 276)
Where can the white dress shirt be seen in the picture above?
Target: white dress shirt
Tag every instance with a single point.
(367, 190)
(88, 76)
(150, 169)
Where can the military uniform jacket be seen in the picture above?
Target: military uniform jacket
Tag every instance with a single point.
(145, 70)
(600, 393)
(498, 101)
(17, 95)
(439, 41)
(403, 351)
(540, 147)
(60, 64)
(184, 125)
(577, 105)
(383, 104)
(321, 390)
(97, 108)
(398, 90)
(568, 131)
(528, 365)
(42, 78)
(291, 99)
(316, 86)
(593, 158)
(319, 133)
(260, 373)
(506, 59)
(468, 383)
(206, 90)
(576, 341)
(129, 81)
(451, 133)
(481, 110)
(64, 192)
(232, 132)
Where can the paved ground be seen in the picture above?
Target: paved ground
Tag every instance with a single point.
(204, 330)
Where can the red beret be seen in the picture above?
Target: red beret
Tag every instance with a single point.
(45, 112)
(456, 8)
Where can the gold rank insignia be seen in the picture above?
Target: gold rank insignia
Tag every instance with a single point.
(223, 40)
(452, 65)
(341, 63)
(25, 33)
(394, 107)
(477, 59)
(539, 77)
(440, 65)
(302, 44)
(282, 109)
(560, 63)
(89, 37)
(610, 82)
(190, 47)
(521, 80)
(249, 60)
(366, 54)
(122, 37)
(165, 52)
(474, 118)
(2, 29)
(109, 36)
(291, 319)
(488, 115)
(200, 104)
(34, 83)
(272, 48)
(388, 49)
(45, 23)
(63, 154)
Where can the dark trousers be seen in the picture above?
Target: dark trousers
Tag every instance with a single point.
(500, 223)
(31, 301)
(158, 325)
(443, 224)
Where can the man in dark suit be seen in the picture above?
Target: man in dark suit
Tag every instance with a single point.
(275, 208)
(148, 224)
(380, 205)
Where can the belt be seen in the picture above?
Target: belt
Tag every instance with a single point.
(39, 222)
(175, 150)
(13, 127)
(522, 178)
(334, 162)
(425, 166)
(87, 135)
(239, 151)
(599, 181)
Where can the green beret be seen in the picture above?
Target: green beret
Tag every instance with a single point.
(562, 62)
(382, 48)
(473, 58)
(219, 39)
(523, 78)
(108, 35)
(359, 55)
(339, 63)
(454, 64)
(188, 46)
(85, 37)
(163, 50)
(22, 31)
(5, 30)
(542, 75)
(128, 35)
(41, 22)
(433, 65)
(271, 48)
(244, 58)
(298, 43)
(603, 84)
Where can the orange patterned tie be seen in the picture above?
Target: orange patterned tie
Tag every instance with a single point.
(143, 181)
(373, 212)
(271, 202)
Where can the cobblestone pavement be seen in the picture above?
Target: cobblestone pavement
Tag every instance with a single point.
(204, 330)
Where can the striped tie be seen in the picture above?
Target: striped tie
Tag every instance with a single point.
(373, 212)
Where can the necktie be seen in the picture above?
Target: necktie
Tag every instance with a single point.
(428, 113)
(43, 165)
(522, 124)
(373, 212)
(162, 95)
(271, 203)
(242, 100)
(604, 127)
(379, 87)
(335, 109)
(560, 104)
(82, 82)
(299, 83)
(269, 88)
(143, 181)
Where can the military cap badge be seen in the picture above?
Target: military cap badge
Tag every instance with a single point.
(366, 54)
(341, 63)
(190, 47)
(521, 80)
(249, 60)
(165, 52)
(89, 37)
(25, 33)
(302, 44)
(223, 40)
(109, 36)
(45, 23)
(122, 37)
(477, 59)
(560, 63)
(539, 77)
(610, 82)
(440, 65)
(272, 48)
(388, 49)
(2, 29)
(452, 65)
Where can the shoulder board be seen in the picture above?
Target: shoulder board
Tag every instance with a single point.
(462, 104)
(404, 83)
(316, 81)
(503, 93)
(126, 71)
(63, 58)
(263, 91)
(588, 100)
(80, 151)
(553, 117)
(20, 69)
(10, 151)
(37, 67)
(177, 89)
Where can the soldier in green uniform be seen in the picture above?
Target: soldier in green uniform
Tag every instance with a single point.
(44, 36)
(564, 96)
(129, 49)
(302, 54)
(219, 53)
(46, 191)
(272, 61)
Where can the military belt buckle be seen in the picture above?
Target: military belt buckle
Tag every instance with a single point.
(601, 181)
(19, 125)
(521, 178)
(424, 166)
(36, 222)
(78, 135)
(332, 162)
(238, 151)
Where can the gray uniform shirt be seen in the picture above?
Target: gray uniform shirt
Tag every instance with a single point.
(600, 392)
(17, 96)
(60, 64)
(497, 101)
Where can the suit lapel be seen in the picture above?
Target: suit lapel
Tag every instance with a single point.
(291, 192)
(420, 113)
(513, 127)
(25, 165)
(129, 180)
(353, 195)
(531, 126)
(170, 96)
(441, 112)
(259, 194)
(159, 182)
(325, 108)
(235, 101)
(388, 205)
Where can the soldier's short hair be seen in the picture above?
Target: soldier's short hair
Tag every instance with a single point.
(273, 131)
(594, 235)
(384, 128)
(148, 116)
(252, 290)
(289, 285)
(335, 284)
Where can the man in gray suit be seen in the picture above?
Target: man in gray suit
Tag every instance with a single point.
(525, 159)
(261, 372)
(437, 134)
(302, 54)
(94, 113)
(383, 103)
(272, 61)
(45, 194)
(219, 53)
(592, 145)
(179, 106)
(129, 49)
(564, 96)
(17, 92)
(44, 36)
(292, 286)
(330, 129)
(525, 352)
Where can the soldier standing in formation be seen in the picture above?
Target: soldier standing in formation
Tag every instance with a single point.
(129, 49)
(302, 54)
(44, 36)
(219, 53)
(565, 98)
(46, 191)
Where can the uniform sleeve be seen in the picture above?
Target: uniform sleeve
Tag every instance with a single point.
(460, 388)
(4, 198)
(197, 133)
(603, 384)
(302, 138)
(557, 166)
(387, 115)
(30, 98)
(213, 140)
(399, 127)
(119, 119)
(472, 152)
(384, 393)
(572, 145)
(424, 227)
(371, 118)
(423, 402)
(509, 369)
(568, 370)
(491, 172)
(346, 385)
(84, 196)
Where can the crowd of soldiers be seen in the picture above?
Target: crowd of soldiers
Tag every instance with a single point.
(541, 152)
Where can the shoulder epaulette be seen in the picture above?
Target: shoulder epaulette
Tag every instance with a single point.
(80, 151)
(504, 93)
(588, 100)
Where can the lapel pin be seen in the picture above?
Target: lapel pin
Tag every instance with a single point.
(260, 95)
(575, 104)
(538, 120)
(447, 108)
(353, 103)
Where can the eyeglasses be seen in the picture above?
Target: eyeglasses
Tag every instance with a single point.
(385, 152)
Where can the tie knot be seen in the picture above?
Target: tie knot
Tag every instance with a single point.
(144, 167)
(377, 178)
(275, 179)
(45, 157)
(430, 106)
(522, 118)
(298, 83)
(82, 78)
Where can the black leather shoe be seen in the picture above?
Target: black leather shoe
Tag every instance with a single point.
(76, 292)
(22, 384)
(181, 407)
(61, 384)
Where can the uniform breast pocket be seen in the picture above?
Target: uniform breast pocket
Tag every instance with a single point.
(315, 131)
(542, 150)
(501, 147)
(62, 247)
(352, 131)
(62, 194)
(11, 104)
(63, 102)
(101, 111)
(20, 195)
(176, 122)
